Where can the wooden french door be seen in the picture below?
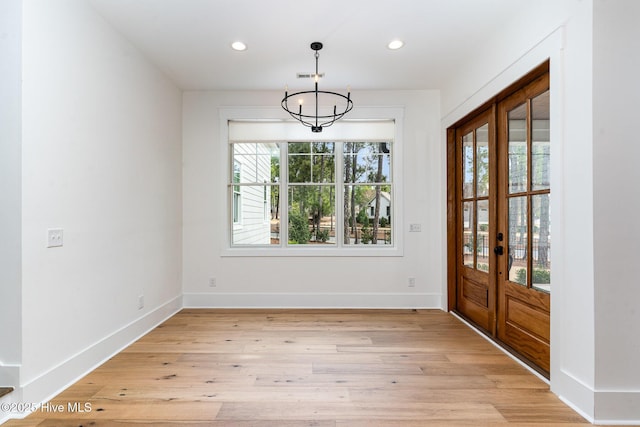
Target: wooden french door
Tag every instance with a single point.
(524, 274)
(475, 154)
(499, 219)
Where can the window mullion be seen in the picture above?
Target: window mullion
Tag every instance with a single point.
(339, 193)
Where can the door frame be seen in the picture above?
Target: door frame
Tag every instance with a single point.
(452, 201)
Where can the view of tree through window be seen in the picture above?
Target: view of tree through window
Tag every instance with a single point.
(336, 194)
(367, 172)
(311, 192)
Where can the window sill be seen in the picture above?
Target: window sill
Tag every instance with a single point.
(265, 251)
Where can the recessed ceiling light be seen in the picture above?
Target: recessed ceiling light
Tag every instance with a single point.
(238, 46)
(395, 44)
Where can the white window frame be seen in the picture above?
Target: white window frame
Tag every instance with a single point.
(303, 134)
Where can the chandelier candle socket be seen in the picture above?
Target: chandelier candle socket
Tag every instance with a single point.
(318, 120)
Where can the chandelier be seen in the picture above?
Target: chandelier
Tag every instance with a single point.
(319, 119)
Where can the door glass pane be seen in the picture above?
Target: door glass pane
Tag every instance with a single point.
(540, 142)
(467, 234)
(541, 278)
(482, 235)
(518, 240)
(517, 149)
(467, 166)
(482, 161)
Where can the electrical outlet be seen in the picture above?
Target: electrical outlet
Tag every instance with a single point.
(415, 228)
(412, 282)
(212, 282)
(54, 237)
(140, 302)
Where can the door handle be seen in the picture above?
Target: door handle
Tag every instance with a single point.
(498, 250)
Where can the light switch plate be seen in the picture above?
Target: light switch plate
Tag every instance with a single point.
(54, 237)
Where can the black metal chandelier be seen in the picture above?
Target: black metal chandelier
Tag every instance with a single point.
(318, 120)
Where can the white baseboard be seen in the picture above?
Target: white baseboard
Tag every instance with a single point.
(610, 407)
(9, 376)
(617, 407)
(574, 392)
(312, 300)
(52, 382)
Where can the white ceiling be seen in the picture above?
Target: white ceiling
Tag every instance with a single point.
(190, 39)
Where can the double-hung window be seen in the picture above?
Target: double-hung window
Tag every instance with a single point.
(316, 195)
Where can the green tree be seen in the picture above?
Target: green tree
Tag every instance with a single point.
(312, 163)
(346, 210)
(362, 217)
(378, 179)
(275, 191)
(319, 205)
(298, 228)
(367, 236)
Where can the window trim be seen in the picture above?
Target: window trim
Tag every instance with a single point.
(304, 135)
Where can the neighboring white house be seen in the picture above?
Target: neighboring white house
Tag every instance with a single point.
(251, 201)
(385, 206)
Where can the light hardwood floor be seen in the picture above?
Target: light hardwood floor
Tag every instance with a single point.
(309, 368)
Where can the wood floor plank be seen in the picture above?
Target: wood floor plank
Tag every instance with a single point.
(380, 381)
(518, 381)
(322, 368)
(223, 392)
(495, 397)
(527, 413)
(288, 349)
(201, 359)
(141, 410)
(27, 422)
(378, 411)
(213, 423)
(437, 368)
(475, 423)
(366, 368)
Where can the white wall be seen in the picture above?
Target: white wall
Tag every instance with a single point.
(10, 187)
(101, 157)
(503, 54)
(311, 281)
(616, 176)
